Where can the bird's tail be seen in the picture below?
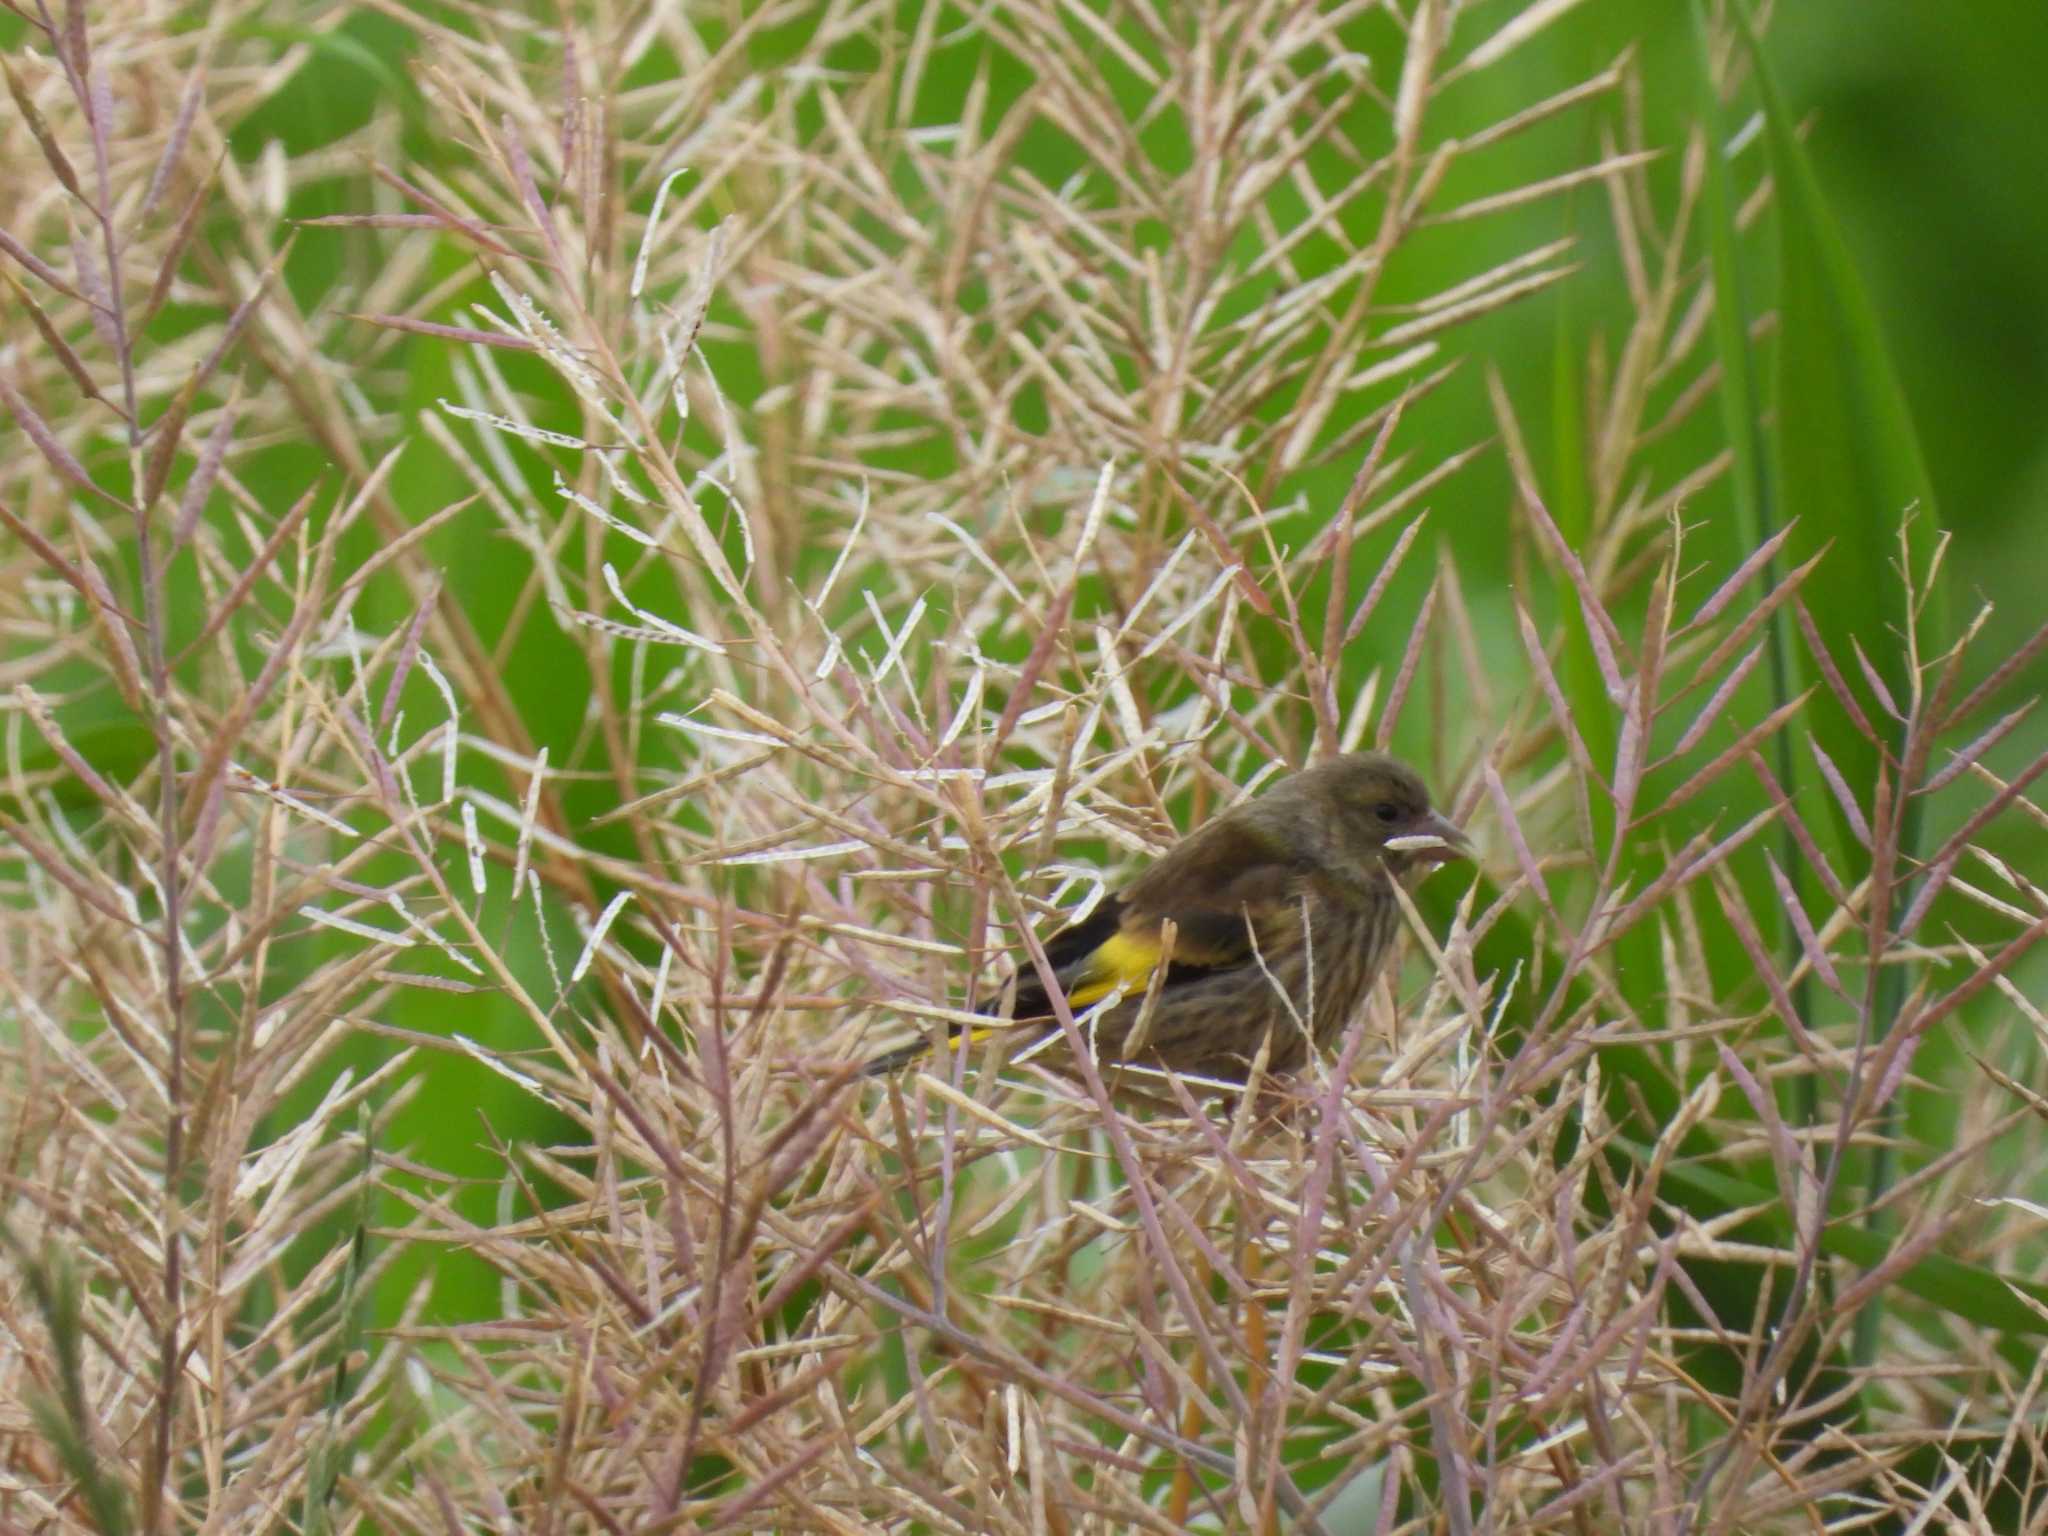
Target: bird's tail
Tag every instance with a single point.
(890, 1062)
(916, 1050)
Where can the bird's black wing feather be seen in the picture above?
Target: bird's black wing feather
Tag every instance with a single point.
(1065, 950)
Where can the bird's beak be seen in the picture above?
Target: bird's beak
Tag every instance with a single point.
(1438, 840)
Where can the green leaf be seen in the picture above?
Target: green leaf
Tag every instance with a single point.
(1848, 459)
(1851, 471)
(1740, 403)
(1968, 1291)
(1757, 520)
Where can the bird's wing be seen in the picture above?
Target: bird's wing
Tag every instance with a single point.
(1222, 888)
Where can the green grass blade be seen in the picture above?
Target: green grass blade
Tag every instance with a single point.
(1849, 465)
(1848, 458)
(1755, 504)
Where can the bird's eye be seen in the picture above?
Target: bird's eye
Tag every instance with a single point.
(1386, 810)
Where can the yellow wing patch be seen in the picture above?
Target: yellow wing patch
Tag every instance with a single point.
(1124, 960)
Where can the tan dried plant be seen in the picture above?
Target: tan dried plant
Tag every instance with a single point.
(939, 456)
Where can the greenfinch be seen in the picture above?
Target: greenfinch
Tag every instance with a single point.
(1269, 922)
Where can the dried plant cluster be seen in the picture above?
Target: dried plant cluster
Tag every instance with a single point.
(944, 454)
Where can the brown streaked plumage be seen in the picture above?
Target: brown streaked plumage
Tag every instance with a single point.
(1283, 912)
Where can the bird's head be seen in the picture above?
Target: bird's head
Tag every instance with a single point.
(1375, 809)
